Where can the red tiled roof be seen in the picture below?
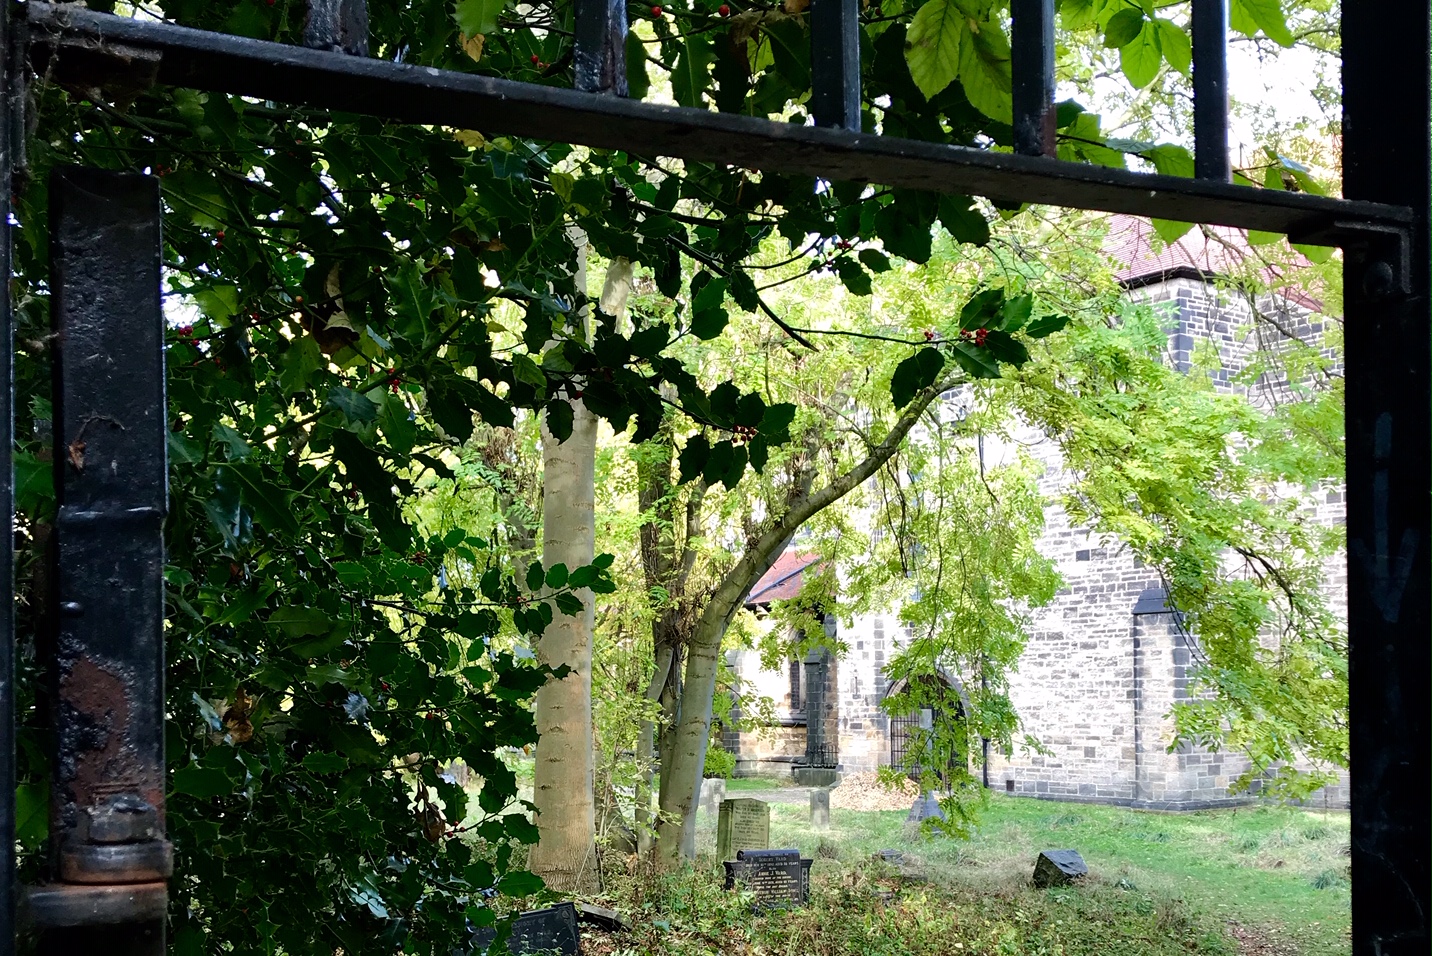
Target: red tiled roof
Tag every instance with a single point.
(1140, 257)
(783, 581)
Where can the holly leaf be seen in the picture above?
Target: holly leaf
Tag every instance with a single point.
(1046, 325)
(855, 278)
(977, 361)
(325, 763)
(559, 419)
(265, 500)
(916, 372)
(355, 406)
(693, 457)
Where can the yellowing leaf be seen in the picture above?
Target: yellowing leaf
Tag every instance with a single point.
(934, 45)
(795, 6)
(472, 45)
(470, 138)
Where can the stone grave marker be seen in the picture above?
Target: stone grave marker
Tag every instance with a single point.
(713, 791)
(926, 805)
(820, 808)
(742, 824)
(778, 878)
(550, 930)
(1059, 868)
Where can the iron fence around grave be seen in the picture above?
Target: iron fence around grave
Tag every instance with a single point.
(109, 843)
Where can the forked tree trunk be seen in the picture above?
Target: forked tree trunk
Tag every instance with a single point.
(681, 769)
(565, 854)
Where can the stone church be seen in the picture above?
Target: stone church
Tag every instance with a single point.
(1105, 661)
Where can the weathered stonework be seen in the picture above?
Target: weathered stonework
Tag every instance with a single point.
(1106, 661)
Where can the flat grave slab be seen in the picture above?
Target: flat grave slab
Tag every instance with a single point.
(550, 930)
(778, 878)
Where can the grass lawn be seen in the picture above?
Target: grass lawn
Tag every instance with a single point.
(1279, 872)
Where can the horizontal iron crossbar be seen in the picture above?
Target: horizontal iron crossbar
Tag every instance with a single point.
(86, 40)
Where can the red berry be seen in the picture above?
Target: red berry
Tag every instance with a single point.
(577, 393)
(724, 10)
(656, 11)
(536, 58)
(298, 299)
(929, 335)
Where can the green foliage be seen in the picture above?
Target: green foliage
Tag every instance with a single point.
(720, 763)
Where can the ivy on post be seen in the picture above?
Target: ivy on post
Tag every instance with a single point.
(600, 58)
(337, 25)
(835, 63)
(1032, 66)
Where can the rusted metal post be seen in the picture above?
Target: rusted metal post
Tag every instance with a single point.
(8, 888)
(600, 57)
(337, 25)
(109, 856)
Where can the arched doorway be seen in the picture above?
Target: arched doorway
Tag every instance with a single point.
(943, 707)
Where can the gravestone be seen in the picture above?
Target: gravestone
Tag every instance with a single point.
(1059, 868)
(926, 805)
(551, 930)
(820, 809)
(713, 791)
(742, 824)
(778, 878)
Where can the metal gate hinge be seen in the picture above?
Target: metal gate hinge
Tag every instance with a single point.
(1383, 250)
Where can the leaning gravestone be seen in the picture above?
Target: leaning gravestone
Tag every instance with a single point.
(1059, 868)
(552, 930)
(713, 791)
(778, 878)
(742, 824)
(820, 808)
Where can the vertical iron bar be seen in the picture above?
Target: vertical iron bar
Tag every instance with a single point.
(107, 786)
(1387, 156)
(337, 25)
(1032, 63)
(8, 882)
(835, 63)
(600, 57)
(1210, 90)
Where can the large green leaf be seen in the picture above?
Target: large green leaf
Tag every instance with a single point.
(1142, 56)
(1122, 28)
(934, 45)
(1176, 45)
(478, 16)
(985, 71)
(1250, 16)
